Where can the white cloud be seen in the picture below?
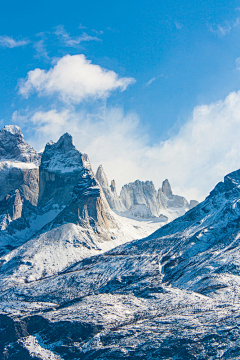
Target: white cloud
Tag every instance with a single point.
(74, 79)
(9, 42)
(206, 148)
(73, 41)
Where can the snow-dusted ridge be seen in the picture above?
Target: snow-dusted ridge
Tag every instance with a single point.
(72, 219)
(174, 294)
(70, 292)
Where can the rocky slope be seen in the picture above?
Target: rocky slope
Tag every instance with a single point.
(140, 199)
(172, 295)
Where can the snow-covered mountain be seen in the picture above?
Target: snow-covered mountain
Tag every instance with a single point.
(37, 189)
(172, 295)
(72, 219)
(140, 199)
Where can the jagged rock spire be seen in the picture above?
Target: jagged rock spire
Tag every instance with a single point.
(101, 176)
(59, 171)
(166, 188)
(13, 146)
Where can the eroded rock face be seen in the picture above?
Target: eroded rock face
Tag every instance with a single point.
(18, 165)
(59, 171)
(88, 206)
(166, 188)
(110, 192)
(13, 146)
(141, 193)
(141, 200)
(101, 177)
(10, 208)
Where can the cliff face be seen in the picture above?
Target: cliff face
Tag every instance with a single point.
(88, 206)
(110, 192)
(60, 168)
(140, 199)
(140, 193)
(18, 165)
(67, 193)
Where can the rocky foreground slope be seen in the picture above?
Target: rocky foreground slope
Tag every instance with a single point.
(172, 295)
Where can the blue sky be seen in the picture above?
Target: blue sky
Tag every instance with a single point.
(174, 56)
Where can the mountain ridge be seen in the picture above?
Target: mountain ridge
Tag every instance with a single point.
(175, 293)
(141, 199)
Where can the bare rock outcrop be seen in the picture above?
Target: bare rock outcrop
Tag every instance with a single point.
(67, 180)
(141, 193)
(18, 165)
(141, 200)
(110, 192)
(59, 171)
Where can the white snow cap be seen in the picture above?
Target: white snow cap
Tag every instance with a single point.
(13, 129)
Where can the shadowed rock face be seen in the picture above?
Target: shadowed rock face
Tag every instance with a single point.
(26, 180)
(12, 204)
(18, 165)
(66, 179)
(59, 171)
(166, 188)
(88, 206)
(13, 146)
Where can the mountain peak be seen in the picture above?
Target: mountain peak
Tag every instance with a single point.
(13, 129)
(101, 176)
(166, 188)
(13, 146)
(231, 181)
(65, 140)
(62, 156)
(59, 171)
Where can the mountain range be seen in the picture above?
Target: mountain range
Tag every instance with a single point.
(81, 281)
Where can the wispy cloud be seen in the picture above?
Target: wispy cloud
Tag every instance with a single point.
(41, 51)
(9, 42)
(70, 41)
(98, 32)
(155, 78)
(80, 26)
(151, 81)
(237, 62)
(225, 29)
(178, 25)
